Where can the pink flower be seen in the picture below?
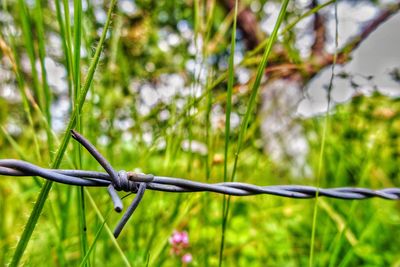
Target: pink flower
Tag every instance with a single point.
(187, 258)
(179, 244)
(176, 238)
(179, 238)
(185, 238)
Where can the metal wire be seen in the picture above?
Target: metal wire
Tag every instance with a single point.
(137, 183)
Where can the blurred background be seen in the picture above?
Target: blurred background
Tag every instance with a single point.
(326, 113)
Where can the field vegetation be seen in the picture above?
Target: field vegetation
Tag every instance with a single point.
(185, 89)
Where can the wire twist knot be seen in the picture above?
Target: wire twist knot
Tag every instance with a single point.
(123, 183)
(135, 183)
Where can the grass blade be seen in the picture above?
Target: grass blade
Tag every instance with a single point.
(86, 256)
(249, 110)
(231, 77)
(30, 48)
(67, 39)
(323, 142)
(77, 148)
(108, 230)
(45, 87)
(16, 66)
(291, 25)
(256, 85)
(30, 225)
(77, 47)
(65, 45)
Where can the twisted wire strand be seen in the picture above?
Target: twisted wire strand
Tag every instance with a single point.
(12, 167)
(137, 183)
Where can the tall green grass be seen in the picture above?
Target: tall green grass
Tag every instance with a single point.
(231, 77)
(249, 110)
(37, 209)
(323, 141)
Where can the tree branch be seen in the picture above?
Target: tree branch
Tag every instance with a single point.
(247, 23)
(317, 49)
(319, 59)
(384, 15)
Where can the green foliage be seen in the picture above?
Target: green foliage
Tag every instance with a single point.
(188, 133)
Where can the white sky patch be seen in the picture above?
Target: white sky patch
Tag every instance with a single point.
(56, 75)
(243, 75)
(282, 136)
(127, 7)
(13, 128)
(100, 15)
(170, 86)
(54, 45)
(217, 117)
(304, 38)
(180, 103)
(173, 39)
(9, 92)
(148, 137)
(195, 146)
(166, 93)
(238, 56)
(164, 115)
(5, 74)
(301, 4)
(341, 93)
(149, 95)
(5, 17)
(144, 110)
(103, 140)
(191, 65)
(376, 57)
(235, 120)
(59, 111)
(255, 6)
(352, 17)
(124, 124)
(267, 24)
(163, 45)
(185, 30)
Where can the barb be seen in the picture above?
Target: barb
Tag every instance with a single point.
(137, 183)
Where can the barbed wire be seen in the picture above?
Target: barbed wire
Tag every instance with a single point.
(138, 182)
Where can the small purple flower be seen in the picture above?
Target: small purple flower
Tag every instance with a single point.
(176, 238)
(184, 238)
(179, 239)
(187, 258)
